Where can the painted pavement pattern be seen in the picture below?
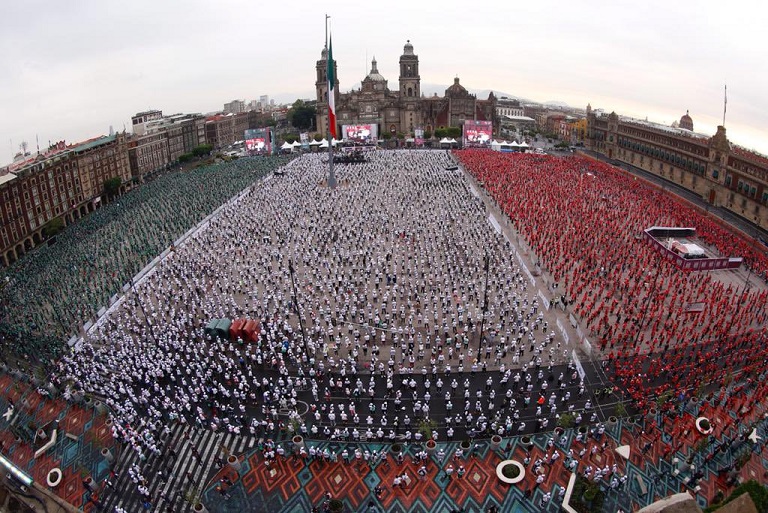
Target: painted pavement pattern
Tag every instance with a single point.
(172, 486)
(82, 434)
(293, 487)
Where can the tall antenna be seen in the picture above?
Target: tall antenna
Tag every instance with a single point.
(725, 102)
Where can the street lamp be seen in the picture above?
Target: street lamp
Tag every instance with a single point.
(143, 312)
(487, 263)
(298, 312)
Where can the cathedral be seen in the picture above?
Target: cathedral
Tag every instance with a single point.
(402, 110)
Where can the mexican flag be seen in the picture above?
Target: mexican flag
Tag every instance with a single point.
(331, 96)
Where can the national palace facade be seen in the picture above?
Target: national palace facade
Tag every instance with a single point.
(722, 173)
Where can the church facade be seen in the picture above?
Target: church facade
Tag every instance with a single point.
(400, 110)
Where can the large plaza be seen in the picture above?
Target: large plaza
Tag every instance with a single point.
(451, 298)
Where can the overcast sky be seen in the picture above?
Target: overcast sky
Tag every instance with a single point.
(71, 69)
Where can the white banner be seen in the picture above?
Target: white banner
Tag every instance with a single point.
(544, 300)
(577, 363)
(494, 223)
(562, 331)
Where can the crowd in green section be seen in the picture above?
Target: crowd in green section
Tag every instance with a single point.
(49, 294)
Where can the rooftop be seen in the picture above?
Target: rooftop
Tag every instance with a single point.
(92, 143)
(664, 128)
(7, 178)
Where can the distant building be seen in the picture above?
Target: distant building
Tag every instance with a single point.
(234, 107)
(163, 140)
(722, 173)
(401, 110)
(64, 182)
(223, 130)
(508, 107)
(140, 120)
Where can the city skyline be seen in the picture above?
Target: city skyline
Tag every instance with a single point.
(72, 71)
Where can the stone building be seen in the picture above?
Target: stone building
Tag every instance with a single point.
(722, 173)
(65, 182)
(399, 110)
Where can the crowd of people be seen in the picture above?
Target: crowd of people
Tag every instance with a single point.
(583, 219)
(390, 278)
(55, 289)
(389, 308)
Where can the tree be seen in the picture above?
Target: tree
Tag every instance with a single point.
(185, 158)
(400, 135)
(112, 185)
(53, 227)
(453, 131)
(386, 136)
(440, 133)
(427, 134)
(318, 137)
(203, 149)
(301, 115)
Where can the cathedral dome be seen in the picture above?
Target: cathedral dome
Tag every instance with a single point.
(408, 48)
(374, 75)
(456, 89)
(686, 122)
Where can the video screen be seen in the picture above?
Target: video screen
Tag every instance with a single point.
(360, 133)
(477, 133)
(257, 141)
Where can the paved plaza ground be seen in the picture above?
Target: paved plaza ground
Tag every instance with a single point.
(667, 453)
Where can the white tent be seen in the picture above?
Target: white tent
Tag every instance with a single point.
(453, 141)
(524, 145)
(296, 144)
(514, 143)
(287, 146)
(445, 140)
(316, 143)
(496, 145)
(324, 143)
(334, 142)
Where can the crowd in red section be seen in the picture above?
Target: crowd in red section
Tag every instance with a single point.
(584, 220)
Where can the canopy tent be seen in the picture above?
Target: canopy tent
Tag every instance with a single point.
(210, 328)
(251, 330)
(287, 146)
(514, 143)
(236, 330)
(296, 144)
(315, 143)
(445, 140)
(324, 143)
(453, 141)
(222, 328)
(218, 328)
(523, 145)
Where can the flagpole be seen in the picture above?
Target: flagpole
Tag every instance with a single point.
(332, 130)
(725, 103)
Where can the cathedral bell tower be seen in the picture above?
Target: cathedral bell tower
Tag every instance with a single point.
(321, 90)
(409, 73)
(410, 90)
